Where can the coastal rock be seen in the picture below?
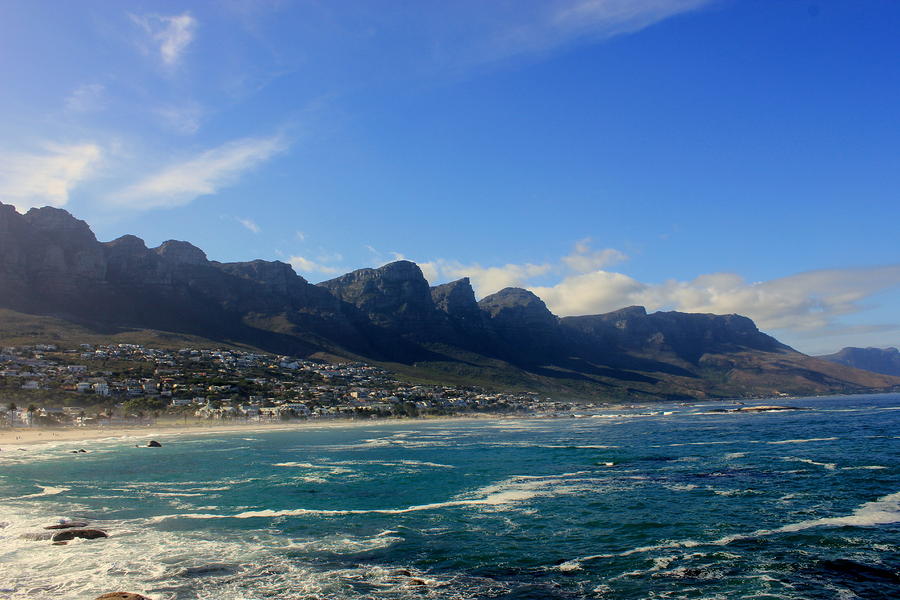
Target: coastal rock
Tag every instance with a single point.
(85, 534)
(121, 596)
(154, 444)
(67, 525)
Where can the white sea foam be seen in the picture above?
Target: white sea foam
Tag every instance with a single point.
(828, 466)
(735, 455)
(805, 441)
(188, 564)
(883, 511)
(347, 544)
(46, 490)
(682, 487)
(864, 467)
(512, 491)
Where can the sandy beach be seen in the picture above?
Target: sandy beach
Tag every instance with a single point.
(25, 436)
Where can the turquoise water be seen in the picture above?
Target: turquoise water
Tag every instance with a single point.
(661, 502)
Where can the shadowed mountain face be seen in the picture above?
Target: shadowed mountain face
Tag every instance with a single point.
(878, 360)
(51, 264)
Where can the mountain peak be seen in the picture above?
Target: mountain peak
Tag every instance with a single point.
(182, 253)
(455, 298)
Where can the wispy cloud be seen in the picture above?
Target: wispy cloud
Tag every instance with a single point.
(89, 97)
(534, 28)
(185, 118)
(171, 35)
(38, 179)
(249, 224)
(200, 175)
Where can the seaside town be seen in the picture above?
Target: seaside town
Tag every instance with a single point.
(97, 385)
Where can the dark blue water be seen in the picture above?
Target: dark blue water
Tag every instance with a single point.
(661, 502)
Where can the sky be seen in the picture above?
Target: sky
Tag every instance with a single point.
(725, 156)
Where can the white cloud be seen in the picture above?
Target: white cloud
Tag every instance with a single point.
(89, 97)
(28, 180)
(300, 236)
(807, 305)
(171, 35)
(305, 265)
(583, 259)
(249, 224)
(201, 175)
(485, 280)
(812, 301)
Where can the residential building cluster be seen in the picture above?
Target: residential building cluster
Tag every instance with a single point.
(100, 384)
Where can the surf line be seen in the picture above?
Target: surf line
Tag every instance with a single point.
(883, 511)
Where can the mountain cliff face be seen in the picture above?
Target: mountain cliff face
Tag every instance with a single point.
(878, 360)
(686, 336)
(51, 264)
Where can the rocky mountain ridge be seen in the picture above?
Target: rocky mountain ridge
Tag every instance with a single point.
(52, 264)
(877, 360)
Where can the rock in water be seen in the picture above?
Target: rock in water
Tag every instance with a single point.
(71, 534)
(121, 596)
(154, 444)
(67, 525)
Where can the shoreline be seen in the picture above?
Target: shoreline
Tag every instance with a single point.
(14, 438)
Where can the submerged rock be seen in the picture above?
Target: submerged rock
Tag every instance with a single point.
(154, 444)
(71, 534)
(67, 525)
(121, 596)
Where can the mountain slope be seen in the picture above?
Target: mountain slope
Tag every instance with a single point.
(878, 360)
(52, 265)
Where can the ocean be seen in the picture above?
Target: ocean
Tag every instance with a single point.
(661, 501)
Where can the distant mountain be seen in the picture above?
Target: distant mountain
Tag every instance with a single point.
(53, 268)
(878, 360)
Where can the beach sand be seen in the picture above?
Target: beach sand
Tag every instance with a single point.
(25, 436)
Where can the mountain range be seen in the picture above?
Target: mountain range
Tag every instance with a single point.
(877, 360)
(52, 267)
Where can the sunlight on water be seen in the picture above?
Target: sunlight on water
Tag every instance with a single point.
(680, 503)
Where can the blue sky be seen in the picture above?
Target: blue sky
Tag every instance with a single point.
(699, 155)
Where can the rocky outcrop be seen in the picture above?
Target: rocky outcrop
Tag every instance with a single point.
(687, 336)
(85, 534)
(457, 300)
(181, 253)
(154, 444)
(878, 360)
(121, 596)
(392, 295)
(524, 327)
(395, 298)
